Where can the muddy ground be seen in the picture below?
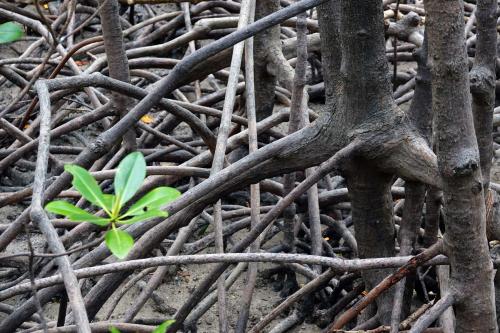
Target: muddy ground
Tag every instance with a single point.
(176, 288)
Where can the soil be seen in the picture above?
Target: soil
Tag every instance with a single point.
(176, 289)
(173, 292)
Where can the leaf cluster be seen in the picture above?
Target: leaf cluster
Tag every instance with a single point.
(128, 179)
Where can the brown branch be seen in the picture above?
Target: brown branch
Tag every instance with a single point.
(385, 284)
(40, 218)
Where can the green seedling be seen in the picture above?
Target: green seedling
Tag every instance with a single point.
(10, 32)
(129, 177)
(160, 329)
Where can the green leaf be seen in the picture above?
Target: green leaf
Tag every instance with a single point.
(113, 329)
(74, 213)
(86, 184)
(163, 327)
(100, 221)
(153, 200)
(109, 201)
(10, 32)
(119, 242)
(147, 215)
(129, 177)
(64, 208)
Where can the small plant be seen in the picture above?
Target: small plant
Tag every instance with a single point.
(10, 32)
(129, 177)
(160, 329)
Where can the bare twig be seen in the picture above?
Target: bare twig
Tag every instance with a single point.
(40, 218)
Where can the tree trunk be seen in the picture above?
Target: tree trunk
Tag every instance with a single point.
(263, 43)
(117, 60)
(371, 202)
(367, 93)
(458, 159)
(482, 78)
(360, 111)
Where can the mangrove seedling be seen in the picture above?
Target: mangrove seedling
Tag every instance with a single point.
(128, 179)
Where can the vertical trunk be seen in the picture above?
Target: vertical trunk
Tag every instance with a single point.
(458, 160)
(412, 214)
(331, 55)
(298, 114)
(420, 113)
(264, 42)
(482, 78)
(372, 215)
(432, 214)
(365, 95)
(117, 60)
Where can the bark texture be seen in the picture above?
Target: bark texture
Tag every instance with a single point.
(264, 42)
(117, 60)
(458, 159)
(361, 113)
(366, 95)
(482, 78)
